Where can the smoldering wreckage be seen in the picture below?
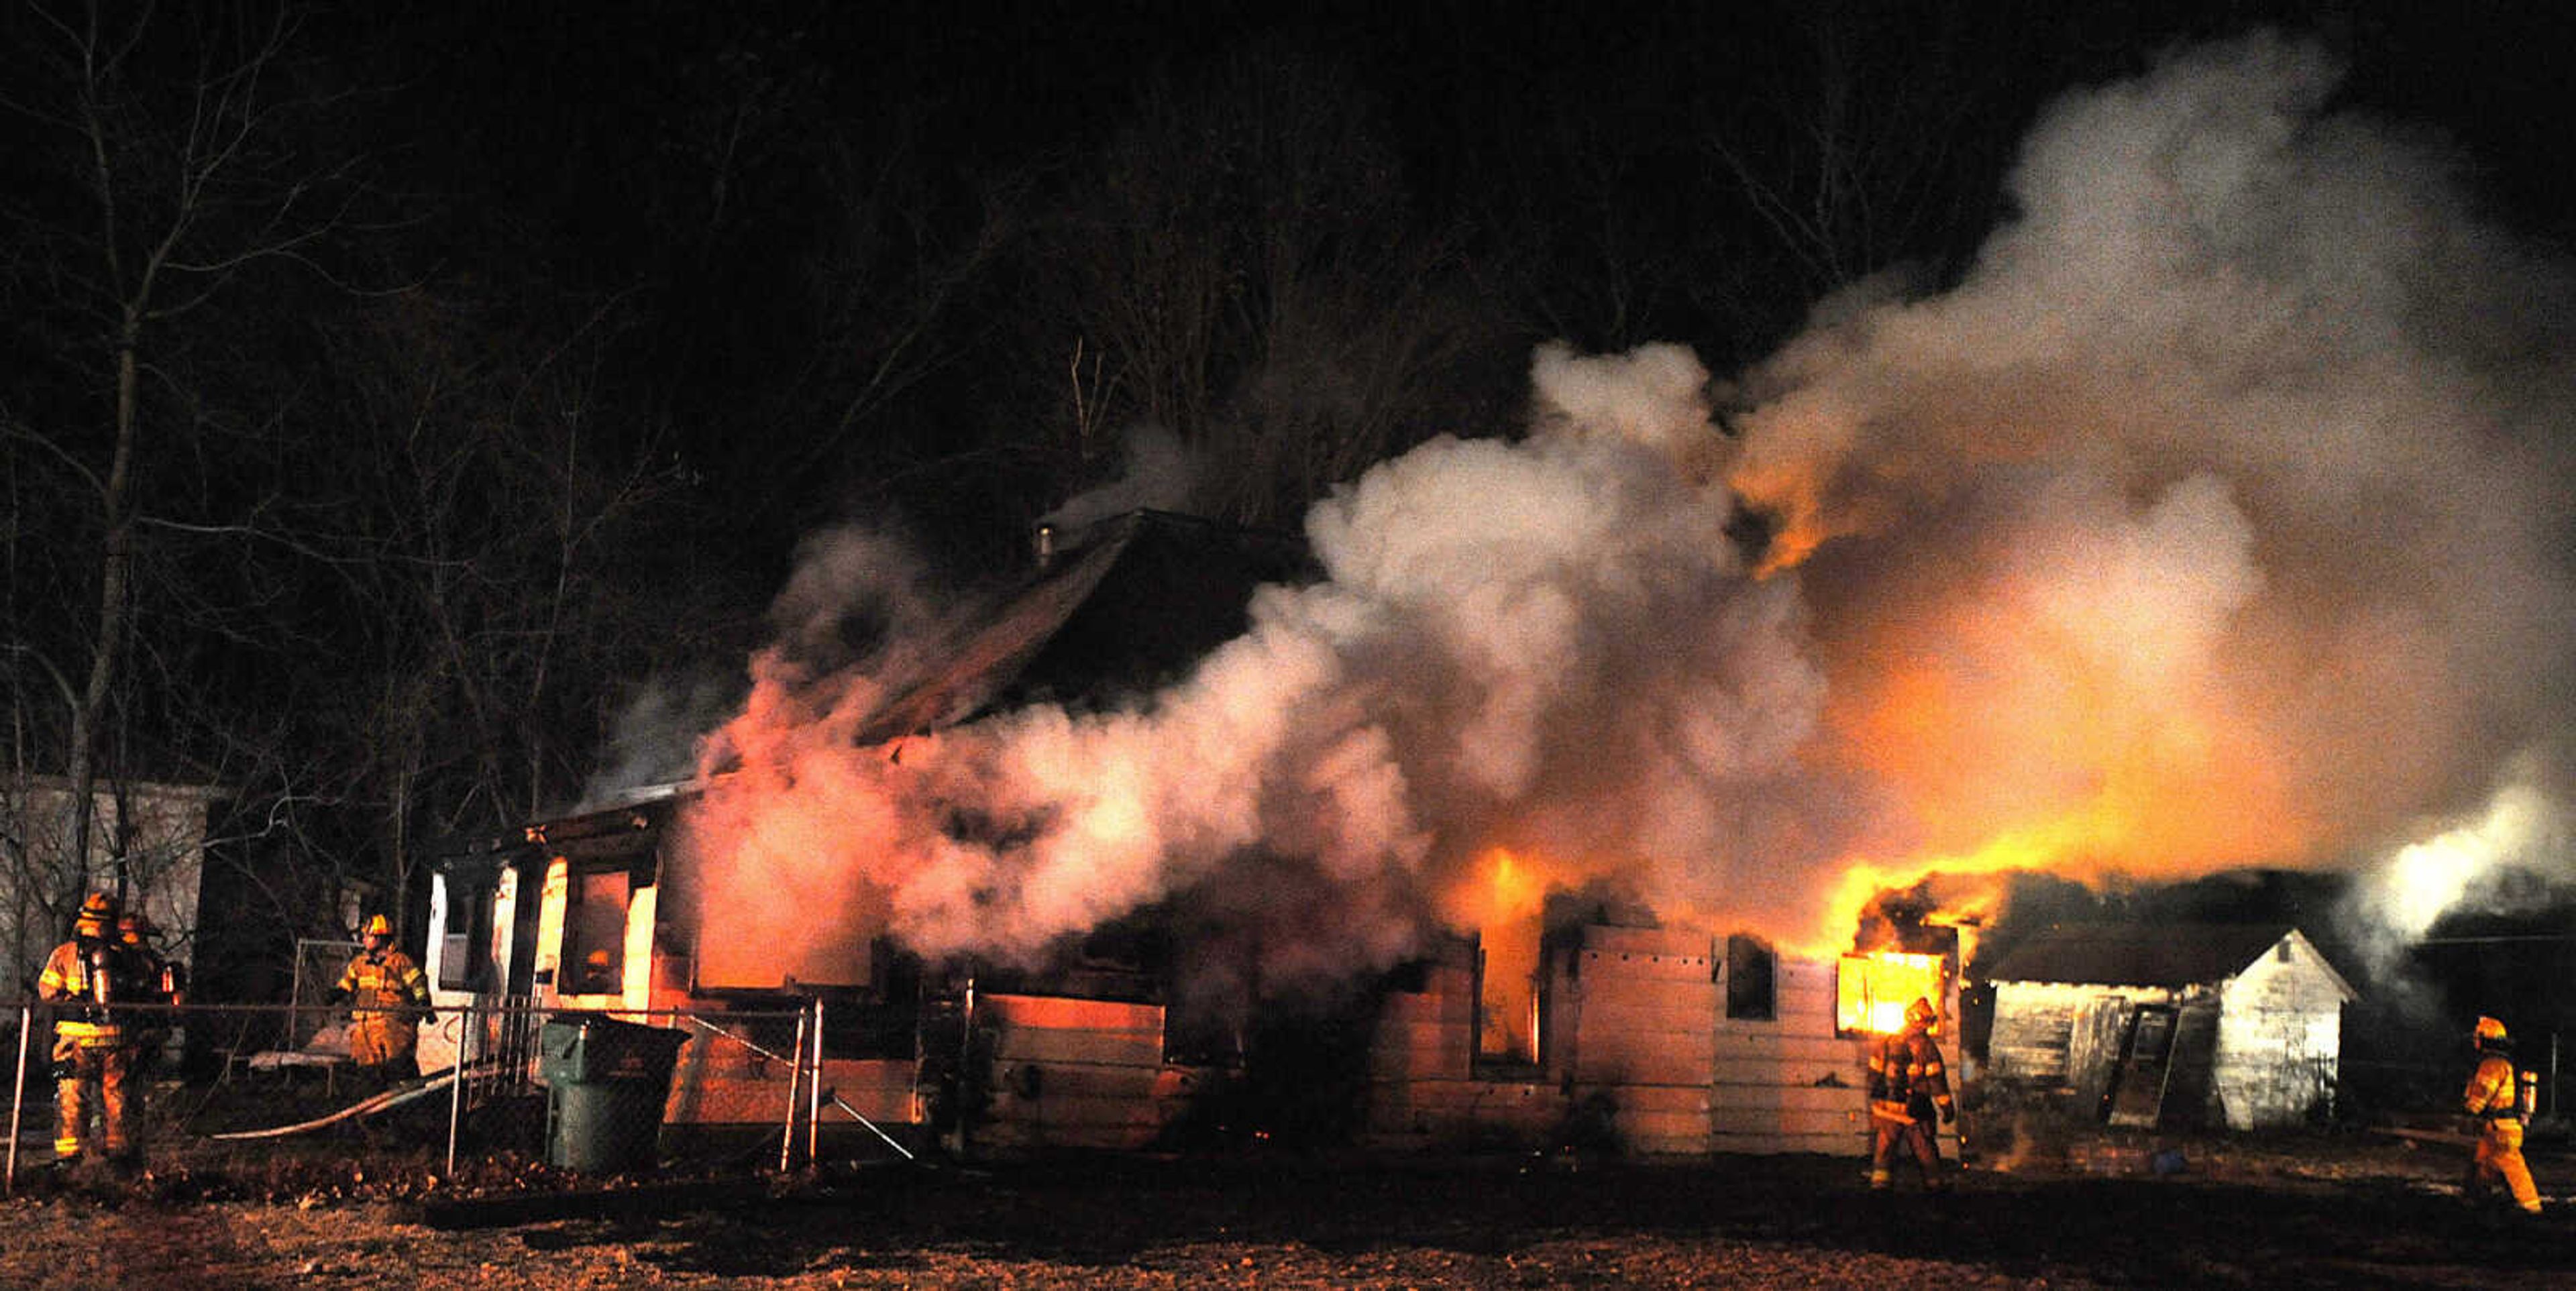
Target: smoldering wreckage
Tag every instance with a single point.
(1611, 780)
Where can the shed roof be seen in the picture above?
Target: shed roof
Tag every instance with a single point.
(2128, 954)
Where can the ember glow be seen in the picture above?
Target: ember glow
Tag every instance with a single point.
(1503, 898)
(2214, 519)
(1871, 991)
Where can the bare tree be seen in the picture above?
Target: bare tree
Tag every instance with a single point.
(167, 165)
(1731, 165)
(1240, 265)
(493, 498)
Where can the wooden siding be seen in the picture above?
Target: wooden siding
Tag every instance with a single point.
(1636, 1039)
(1429, 1034)
(2280, 1039)
(1453, 1113)
(2060, 1036)
(1075, 1073)
(1788, 1083)
(757, 1093)
(2258, 1050)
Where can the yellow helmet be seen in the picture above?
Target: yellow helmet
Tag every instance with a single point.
(1919, 1013)
(377, 926)
(2489, 1029)
(95, 915)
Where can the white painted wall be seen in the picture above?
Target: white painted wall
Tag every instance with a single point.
(2280, 1039)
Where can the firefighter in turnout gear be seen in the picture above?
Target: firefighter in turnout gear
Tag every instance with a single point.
(91, 1055)
(387, 995)
(2497, 1097)
(1907, 1087)
(155, 981)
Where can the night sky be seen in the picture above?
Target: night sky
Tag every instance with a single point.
(517, 347)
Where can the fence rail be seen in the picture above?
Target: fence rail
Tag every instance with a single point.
(231, 1088)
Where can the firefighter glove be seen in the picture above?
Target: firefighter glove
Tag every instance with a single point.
(1948, 1113)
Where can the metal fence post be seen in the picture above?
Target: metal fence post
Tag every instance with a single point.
(795, 1068)
(456, 1083)
(814, 1091)
(18, 1096)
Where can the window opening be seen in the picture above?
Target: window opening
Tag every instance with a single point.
(1752, 970)
(594, 938)
(464, 954)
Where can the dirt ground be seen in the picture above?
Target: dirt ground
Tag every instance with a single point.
(2345, 1209)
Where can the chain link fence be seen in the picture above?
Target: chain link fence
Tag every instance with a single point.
(252, 1091)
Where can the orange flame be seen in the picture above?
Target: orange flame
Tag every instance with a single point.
(2015, 752)
(1502, 898)
(1871, 991)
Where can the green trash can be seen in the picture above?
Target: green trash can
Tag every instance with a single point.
(606, 1084)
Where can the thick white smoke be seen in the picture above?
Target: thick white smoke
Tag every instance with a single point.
(2215, 519)
(653, 740)
(2514, 850)
(1546, 643)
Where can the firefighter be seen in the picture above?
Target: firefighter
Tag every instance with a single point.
(1907, 1086)
(2495, 1096)
(387, 994)
(154, 980)
(91, 1057)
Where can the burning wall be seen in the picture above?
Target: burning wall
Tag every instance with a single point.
(2214, 519)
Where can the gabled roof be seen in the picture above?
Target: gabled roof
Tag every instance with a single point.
(2166, 954)
(1131, 603)
(1127, 605)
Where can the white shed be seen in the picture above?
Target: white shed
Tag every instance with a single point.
(2233, 1024)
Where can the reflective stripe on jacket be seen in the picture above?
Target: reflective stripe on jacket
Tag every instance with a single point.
(67, 979)
(391, 981)
(2491, 1091)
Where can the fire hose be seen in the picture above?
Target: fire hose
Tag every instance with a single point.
(385, 1101)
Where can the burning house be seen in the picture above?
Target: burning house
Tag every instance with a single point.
(2217, 1024)
(1532, 1026)
(614, 909)
(1643, 1040)
(2051, 571)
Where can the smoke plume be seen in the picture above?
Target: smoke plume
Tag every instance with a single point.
(1160, 475)
(2217, 518)
(2214, 519)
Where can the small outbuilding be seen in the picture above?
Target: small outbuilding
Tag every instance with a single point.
(2239, 1025)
